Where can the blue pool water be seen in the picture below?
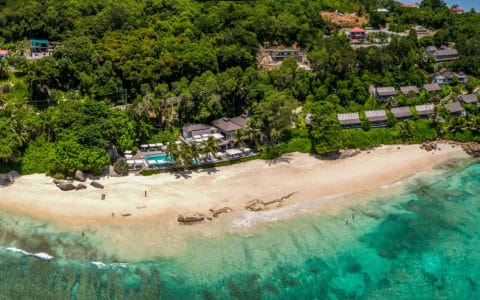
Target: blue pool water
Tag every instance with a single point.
(163, 157)
(421, 243)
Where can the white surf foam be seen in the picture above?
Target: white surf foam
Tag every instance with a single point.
(13, 249)
(102, 265)
(41, 255)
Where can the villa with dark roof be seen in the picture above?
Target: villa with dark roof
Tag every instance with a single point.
(377, 118)
(443, 53)
(402, 112)
(455, 108)
(191, 130)
(425, 110)
(349, 120)
(447, 77)
(409, 90)
(432, 87)
(229, 127)
(469, 99)
(384, 93)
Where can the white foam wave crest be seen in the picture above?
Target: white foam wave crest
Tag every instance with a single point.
(41, 255)
(251, 218)
(395, 184)
(102, 265)
(46, 256)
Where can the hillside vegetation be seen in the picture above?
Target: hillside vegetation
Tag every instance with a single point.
(59, 114)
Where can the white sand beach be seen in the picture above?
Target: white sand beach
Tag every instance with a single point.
(169, 195)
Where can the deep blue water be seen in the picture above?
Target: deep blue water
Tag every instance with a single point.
(421, 244)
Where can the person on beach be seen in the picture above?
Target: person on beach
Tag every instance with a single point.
(145, 193)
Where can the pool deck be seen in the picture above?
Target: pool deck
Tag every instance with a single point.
(143, 154)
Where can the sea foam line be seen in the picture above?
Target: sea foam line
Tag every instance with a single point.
(41, 255)
(46, 256)
(102, 265)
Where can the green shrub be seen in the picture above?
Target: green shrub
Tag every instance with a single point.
(121, 167)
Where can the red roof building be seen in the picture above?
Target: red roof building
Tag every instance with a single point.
(4, 54)
(358, 35)
(409, 5)
(457, 10)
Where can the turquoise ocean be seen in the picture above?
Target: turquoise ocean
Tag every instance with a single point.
(420, 243)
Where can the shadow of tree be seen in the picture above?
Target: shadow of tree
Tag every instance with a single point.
(209, 171)
(185, 174)
(285, 158)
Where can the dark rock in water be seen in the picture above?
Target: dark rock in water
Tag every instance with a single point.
(66, 186)
(81, 186)
(191, 218)
(258, 205)
(96, 185)
(80, 176)
(223, 210)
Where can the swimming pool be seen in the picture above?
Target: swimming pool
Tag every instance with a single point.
(159, 160)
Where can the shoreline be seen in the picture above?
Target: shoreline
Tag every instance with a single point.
(318, 187)
(300, 176)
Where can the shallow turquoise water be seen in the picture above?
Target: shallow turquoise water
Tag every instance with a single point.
(422, 244)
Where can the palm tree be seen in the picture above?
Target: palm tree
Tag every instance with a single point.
(240, 138)
(195, 152)
(210, 146)
(172, 150)
(184, 156)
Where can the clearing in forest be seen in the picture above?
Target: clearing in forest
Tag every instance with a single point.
(344, 19)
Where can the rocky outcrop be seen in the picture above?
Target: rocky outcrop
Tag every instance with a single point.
(223, 210)
(348, 153)
(472, 149)
(8, 178)
(340, 154)
(258, 205)
(191, 218)
(429, 146)
(80, 176)
(80, 186)
(96, 185)
(66, 186)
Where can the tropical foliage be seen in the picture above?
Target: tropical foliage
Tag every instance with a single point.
(131, 72)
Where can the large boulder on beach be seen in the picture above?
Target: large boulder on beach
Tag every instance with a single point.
(348, 153)
(429, 146)
(80, 186)
(191, 218)
(80, 176)
(66, 186)
(96, 185)
(8, 178)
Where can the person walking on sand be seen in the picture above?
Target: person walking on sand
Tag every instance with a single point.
(145, 193)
